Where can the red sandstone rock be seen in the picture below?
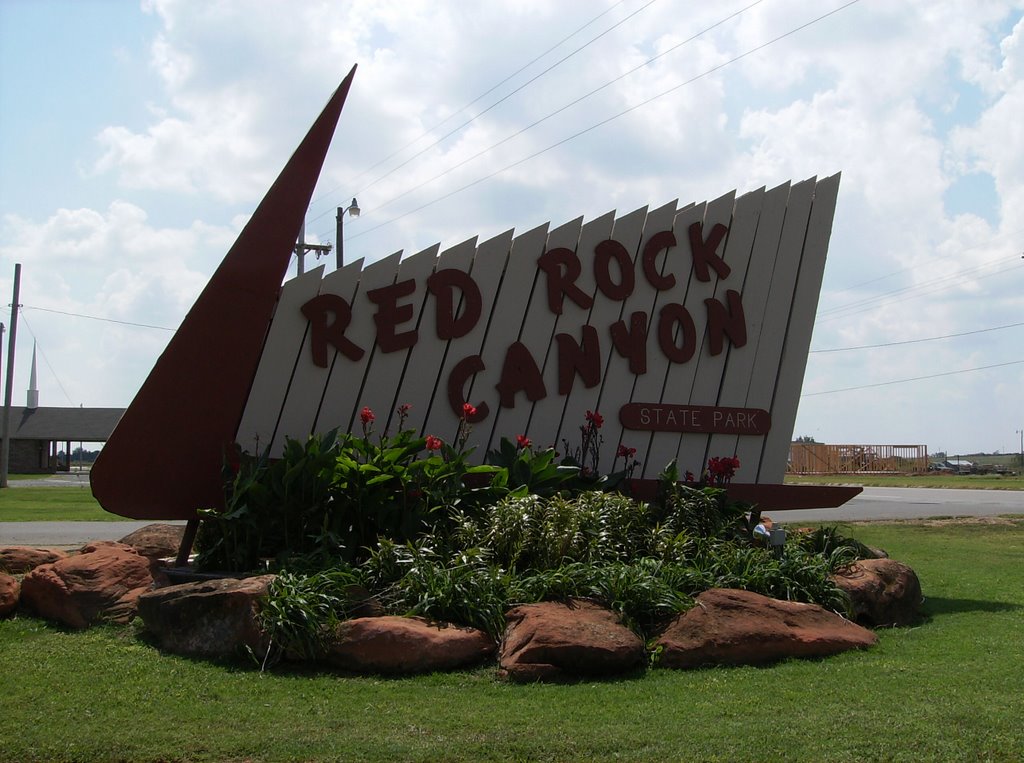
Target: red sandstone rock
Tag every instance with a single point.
(742, 628)
(79, 590)
(393, 645)
(883, 591)
(210, 618)
(18, 559)
(9, 590)
(156, 541)
(554, 641)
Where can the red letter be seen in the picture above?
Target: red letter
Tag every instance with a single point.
(704, 251)
(322, 332)
(605, 252)
(666, 239)
(632, 342)
(440, 285)
(389, 314)
(519, 373)
(473, 364)
(670, 315)
(560, 285)
(574, 359)
(729, 321)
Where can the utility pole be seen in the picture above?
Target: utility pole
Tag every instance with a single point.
(5, 459)
(1019, 431)
(302, 248)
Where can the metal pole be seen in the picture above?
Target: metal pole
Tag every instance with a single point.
(5, 460)
(300, 248)
(339, 250)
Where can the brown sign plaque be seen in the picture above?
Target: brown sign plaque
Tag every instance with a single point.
(662, 417)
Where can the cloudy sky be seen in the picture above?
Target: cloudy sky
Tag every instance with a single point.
(135, 139)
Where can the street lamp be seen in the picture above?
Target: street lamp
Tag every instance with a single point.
(353, 210)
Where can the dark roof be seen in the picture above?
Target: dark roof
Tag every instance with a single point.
(67, 424)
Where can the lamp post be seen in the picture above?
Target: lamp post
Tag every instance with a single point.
(353, 210)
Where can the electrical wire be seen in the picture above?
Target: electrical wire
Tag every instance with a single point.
(96, 318)
(869, 303)
(916, 341)
(558, 111)
(612, 118)
(487, 92)
(46, 360)
(914, 378)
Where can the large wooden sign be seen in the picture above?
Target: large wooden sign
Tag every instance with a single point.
(685, 327)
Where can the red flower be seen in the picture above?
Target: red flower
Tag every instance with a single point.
(434, 443)
(522, 441)
(624, 452)
(404, 408)
(689, 477)
(595, 418)
(366, 416)
(468, 410)
(723, 468)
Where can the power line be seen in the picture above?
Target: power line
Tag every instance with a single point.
(492, 89)
(558, 111)
(915, 341)
(97, 318)
(612, 118)
(917, 267)
(42, 352)
(869, 303)
(914, 378)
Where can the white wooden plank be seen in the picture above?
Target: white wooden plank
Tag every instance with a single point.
(679, 378)
(384, 376)
(776, 314)
(277, 363)
(756, 285)
(425, 376)
(707, 380)
(622, 385)
(508, 309)
(798, 333)
(487, 269)
(538, 336)
(299, 411)
(602, 313)
(343, 395)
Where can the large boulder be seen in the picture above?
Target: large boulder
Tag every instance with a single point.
(399, 645)
(93, 585)
(555, 641)
(734, 627)
(883, 591)
(9, 591)
(156, 541)
(15, 560)
(209, 618)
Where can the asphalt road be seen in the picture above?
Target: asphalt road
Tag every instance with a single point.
(873, 504)
(914, 503)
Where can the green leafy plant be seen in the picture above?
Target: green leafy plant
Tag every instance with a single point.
(299, 610)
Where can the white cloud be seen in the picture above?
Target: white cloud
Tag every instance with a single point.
(906, 99)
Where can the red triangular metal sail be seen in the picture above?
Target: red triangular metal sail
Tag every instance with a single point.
(164, 458)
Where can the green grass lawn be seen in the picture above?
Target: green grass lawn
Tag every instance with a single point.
(951, 688)
(39, 504)
(975, 481)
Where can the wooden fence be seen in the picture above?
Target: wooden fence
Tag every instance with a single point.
(816, 458)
